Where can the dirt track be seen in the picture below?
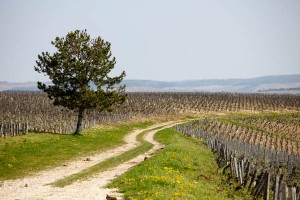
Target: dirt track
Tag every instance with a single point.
(35, 187)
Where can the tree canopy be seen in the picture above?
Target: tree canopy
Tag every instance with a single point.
(79, 72)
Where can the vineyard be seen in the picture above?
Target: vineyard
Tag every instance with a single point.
(257, 136)
(273, 131)
(23, 112)
(262, 151)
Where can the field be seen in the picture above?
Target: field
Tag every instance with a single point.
(256, 138)
(278, 132)
(33, 112)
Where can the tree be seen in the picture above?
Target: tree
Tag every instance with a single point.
(79, 73)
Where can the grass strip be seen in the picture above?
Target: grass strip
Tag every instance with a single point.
(24, 155)
(143, 147)
(185, 169)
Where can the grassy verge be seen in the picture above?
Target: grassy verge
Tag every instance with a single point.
(108, 163)
(24, 155)
(185, 169)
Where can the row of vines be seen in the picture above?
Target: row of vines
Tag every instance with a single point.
(259, 152)
(21, 112)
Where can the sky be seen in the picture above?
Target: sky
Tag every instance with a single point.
(165, 40)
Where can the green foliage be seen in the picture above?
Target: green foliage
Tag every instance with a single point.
(185, 169)
(80, 63)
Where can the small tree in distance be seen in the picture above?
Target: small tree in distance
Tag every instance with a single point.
(79, 73)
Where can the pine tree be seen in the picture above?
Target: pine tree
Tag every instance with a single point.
(79, 72)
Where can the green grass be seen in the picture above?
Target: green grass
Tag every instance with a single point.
(185, 169)
(24, 155)
(108, 163)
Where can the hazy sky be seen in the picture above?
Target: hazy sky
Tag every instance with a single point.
(159, 39)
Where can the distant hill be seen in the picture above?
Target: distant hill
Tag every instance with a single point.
(266, 84)
(259, 84)
(25, 86)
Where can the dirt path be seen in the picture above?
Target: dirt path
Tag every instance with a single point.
(35, 187)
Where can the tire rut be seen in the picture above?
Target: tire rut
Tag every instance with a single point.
(35, 187)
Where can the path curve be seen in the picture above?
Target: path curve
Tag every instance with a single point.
(34, 187)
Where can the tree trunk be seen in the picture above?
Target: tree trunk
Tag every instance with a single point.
(79, 121)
